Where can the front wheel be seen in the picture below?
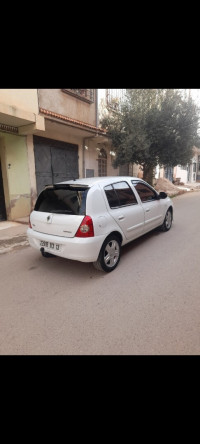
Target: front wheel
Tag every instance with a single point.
(167, 221)
(109, 255)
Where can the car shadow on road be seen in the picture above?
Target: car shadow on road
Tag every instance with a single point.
(61, 267)
(140, 241)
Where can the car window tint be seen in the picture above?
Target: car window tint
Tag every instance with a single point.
(111, 196)
(120, 194)
(63, 201)
(124, 193)
(146, 193)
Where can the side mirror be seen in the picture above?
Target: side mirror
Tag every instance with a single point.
(162, 195)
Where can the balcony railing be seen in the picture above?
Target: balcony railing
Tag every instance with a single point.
(87, 95)
(114, 97)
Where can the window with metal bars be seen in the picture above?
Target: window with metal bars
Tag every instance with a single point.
(86, 95)
(114, 97)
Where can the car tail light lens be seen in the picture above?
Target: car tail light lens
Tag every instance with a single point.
(86, 228)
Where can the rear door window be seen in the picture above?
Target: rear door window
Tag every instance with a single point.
(63, 200)
(111, 196)
(120, 194)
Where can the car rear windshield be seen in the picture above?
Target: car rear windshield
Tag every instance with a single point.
(63, 200)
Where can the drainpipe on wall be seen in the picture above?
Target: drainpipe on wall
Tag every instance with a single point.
(97, 115)
(83, 170)
(86, 138)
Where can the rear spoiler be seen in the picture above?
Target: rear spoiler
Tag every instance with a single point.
(66, 186)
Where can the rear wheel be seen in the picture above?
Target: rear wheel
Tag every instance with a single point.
(109, 255)
(167, 221)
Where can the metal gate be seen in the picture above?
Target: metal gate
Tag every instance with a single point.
(2, 198)
(169, 173)
(55, 161)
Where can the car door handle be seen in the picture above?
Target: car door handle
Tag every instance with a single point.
(148, 209)
(121, 218)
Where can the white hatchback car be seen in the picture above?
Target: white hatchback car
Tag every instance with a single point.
(90, 219)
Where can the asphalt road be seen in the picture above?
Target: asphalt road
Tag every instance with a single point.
(149, 305)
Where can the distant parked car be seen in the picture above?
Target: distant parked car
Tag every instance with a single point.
(90, 219)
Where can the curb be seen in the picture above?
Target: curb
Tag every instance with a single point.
(9, 244)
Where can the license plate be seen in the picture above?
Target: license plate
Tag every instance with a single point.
(50, 245)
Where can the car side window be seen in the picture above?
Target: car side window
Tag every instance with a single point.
(146, 193)
(120, 194)
(111, 196)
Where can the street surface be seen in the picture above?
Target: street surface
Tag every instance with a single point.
(149, 305)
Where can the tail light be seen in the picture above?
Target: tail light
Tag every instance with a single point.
(86, 228)
(30, 226)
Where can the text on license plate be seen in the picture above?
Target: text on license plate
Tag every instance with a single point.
(50, 245)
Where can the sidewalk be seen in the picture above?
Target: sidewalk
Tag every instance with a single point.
(13, 234)
(195, 186)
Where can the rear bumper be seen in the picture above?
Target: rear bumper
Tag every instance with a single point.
(79, 249)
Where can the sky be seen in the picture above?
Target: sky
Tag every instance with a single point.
(195, 93)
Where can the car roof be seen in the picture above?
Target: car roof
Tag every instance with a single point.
(91, 181)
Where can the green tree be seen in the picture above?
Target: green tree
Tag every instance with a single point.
(153, 127)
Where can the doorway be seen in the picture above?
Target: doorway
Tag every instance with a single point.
(2, 198)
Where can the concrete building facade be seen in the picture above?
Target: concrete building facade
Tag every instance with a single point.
(47, 135)
(19, 116)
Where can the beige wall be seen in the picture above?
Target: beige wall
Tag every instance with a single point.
(16, 182)
(91, 158)
(31, 169)
(24, 99)
(57, 101)
(4, 169)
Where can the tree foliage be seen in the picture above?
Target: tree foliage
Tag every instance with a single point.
(153, 127)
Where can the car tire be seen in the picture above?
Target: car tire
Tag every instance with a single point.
(167, 221)
(109, 255)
